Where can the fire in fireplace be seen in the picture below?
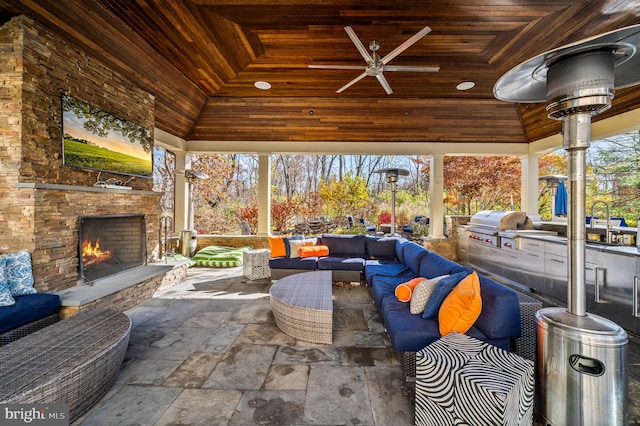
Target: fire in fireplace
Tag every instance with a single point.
(110, 244)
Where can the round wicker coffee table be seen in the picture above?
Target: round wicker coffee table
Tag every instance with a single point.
(303, 306)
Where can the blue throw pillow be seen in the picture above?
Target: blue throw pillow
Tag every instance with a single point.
(442, 290)
(18, 273)
(5, 294)
(287, 246)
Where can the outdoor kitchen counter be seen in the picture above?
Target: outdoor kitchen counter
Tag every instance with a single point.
(612, 248)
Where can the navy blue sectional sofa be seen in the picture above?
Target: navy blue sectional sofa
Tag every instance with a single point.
(387, 262)
(30, 313)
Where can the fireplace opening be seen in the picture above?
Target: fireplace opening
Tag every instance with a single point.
(110, 244)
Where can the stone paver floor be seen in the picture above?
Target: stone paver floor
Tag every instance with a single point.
(208, 352)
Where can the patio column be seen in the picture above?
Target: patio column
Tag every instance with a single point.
(264, 195)
(181, 200)
(529, 184)
(436, 197)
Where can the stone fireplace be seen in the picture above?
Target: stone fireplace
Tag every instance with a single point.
(43, 201)
(108, 245)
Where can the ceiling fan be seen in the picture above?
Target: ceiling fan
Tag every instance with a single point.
(376, 65)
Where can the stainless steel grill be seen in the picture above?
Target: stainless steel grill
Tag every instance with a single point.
(485, 226)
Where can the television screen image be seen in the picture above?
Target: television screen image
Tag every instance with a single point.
(98, 140)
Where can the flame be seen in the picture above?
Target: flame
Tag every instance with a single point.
(91, 252)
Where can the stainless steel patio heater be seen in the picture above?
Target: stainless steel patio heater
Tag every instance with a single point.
(582, 358)
(392, 178)
(188, 237)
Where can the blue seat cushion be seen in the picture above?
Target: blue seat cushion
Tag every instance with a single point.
(341, 263)
(28, 308)
(304, 263)
(380, 267)
(381, 287)
(410, 333)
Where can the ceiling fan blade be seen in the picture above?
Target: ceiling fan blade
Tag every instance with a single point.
(352, 82)
(338, 67)
(398, 50)
(410, 68)
(354, 38)
(385, 84)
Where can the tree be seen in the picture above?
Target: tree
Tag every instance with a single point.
(344, 197)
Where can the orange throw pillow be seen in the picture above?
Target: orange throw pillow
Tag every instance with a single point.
(277, 247)
(310, 251)
(405, 290)
(462, 307)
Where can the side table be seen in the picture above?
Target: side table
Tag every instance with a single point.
(255, 264)
(461, 380)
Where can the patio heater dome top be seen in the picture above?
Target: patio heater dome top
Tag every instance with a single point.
(527, 82)
(393, 173)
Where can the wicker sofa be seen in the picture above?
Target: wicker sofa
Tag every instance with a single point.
(499, 322)
(346, 259)
(387, 262)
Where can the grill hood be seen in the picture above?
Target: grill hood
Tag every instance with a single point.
(498, 220)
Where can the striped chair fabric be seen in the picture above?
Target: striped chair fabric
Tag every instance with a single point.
(461, 380)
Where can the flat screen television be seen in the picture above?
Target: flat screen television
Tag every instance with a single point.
(98, 140)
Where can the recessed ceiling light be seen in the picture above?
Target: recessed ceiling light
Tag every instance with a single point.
(465, 85)
(262, 85)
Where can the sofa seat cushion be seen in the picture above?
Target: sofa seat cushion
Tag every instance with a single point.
(386, 286)
(383, 268)
(344, 245)
(410, 333)
(28, 308)
(341, 263)
(305, 263)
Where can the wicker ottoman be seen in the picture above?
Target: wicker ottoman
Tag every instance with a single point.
(255, 264)
(303, 306)
(461, 380)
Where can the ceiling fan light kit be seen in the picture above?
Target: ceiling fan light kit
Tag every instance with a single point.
(376, 65)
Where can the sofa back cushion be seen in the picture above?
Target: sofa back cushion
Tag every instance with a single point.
(500, 316)
(381, 248)
(413, 254)
(433, 265)
(347, 245)
(400, 249)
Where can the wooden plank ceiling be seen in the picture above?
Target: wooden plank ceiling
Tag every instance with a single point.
(200, 58)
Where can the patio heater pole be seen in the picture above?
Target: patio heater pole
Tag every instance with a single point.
(392, 178)
(582, 357)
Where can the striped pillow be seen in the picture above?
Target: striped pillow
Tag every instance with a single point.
(220, 257)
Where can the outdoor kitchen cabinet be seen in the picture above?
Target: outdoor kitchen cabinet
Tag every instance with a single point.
(493, 260)
(532, 252)
(555, 271)
(512, 265)
(610, 287)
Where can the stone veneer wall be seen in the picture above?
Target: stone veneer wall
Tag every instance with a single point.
(40, 198)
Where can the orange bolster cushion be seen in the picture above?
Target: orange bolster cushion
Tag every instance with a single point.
(462, 306)
(405, 290)
(276, 244)
(310, 251)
